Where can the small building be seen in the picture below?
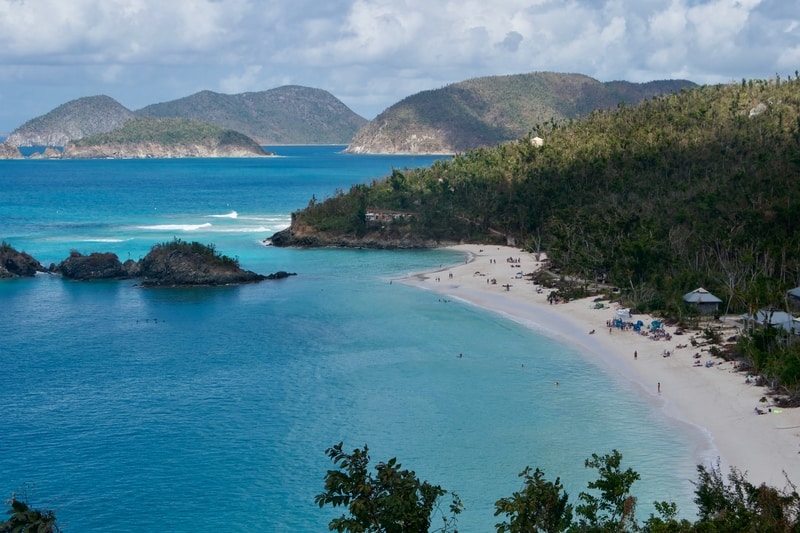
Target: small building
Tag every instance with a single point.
(383, 215)
(537, 141)
(776, 319)
(705, 302)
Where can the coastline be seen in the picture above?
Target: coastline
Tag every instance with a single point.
(714, 400)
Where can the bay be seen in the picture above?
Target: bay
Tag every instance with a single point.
(210, 409)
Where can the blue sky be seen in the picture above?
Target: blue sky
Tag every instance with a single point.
(371, 53)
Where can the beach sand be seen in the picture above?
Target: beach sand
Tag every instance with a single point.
(716, 400)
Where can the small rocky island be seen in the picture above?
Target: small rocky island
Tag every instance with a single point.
(170, 264)
(15, 264)
(143, 138)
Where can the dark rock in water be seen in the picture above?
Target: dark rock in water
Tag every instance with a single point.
(169, 264)
(181, 263)
(281, 274)
(17, 264)
(132, 268)
(93, 266)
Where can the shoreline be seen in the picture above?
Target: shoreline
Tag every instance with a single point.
(715, 401)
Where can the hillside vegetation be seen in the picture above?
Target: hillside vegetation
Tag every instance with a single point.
(697, 189)
(286, 115)
(489, 110)
(153, 137)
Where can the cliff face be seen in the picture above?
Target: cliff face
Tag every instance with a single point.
(73, 120)
(154, 150)
(9, 151)
(384, 138)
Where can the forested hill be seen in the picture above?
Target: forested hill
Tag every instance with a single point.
(286, 115)
(164, 138)
(700, 188)
(489, 110)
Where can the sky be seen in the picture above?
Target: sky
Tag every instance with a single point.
(371, 54)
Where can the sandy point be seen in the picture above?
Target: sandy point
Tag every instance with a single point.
(703, 391)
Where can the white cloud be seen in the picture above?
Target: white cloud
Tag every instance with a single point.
(371, 53)
(246, 81)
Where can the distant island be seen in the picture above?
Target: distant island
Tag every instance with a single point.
(463, 116)
(286, 115)
(490, 110)
(164, 138)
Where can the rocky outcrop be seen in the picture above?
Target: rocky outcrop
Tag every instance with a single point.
(302, 236)
(17, 264)
(180, 264)
(9, 151)
(49, 153)
(93, 266)
(171, 264)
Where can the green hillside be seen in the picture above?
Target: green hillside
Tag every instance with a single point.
(164, 137)
(677, 192)
(285, 115)
(167, 132)
(489, 110)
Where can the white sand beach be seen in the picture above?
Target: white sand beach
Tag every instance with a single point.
(716, 399)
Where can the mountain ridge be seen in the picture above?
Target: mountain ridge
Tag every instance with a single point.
(486, 111)
(473, 113)
(290, 114)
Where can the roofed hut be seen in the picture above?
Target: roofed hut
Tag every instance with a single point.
(705, 302)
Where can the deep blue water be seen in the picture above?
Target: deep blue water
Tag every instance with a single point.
(210, 409)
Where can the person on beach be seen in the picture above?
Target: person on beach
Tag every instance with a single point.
(635, 355)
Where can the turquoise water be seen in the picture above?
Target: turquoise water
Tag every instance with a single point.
(210, 409)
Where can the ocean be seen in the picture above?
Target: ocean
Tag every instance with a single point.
(209, 409)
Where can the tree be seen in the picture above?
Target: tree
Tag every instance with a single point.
(23, 519)
(741, 506)
(392, 500)
(614, 509)
(540, 506)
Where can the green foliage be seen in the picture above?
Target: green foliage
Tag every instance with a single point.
(741, 506)
(392, 500)
(541, 506)
(208, 251)
(168, 132)
(23, 519)
(614, 508)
